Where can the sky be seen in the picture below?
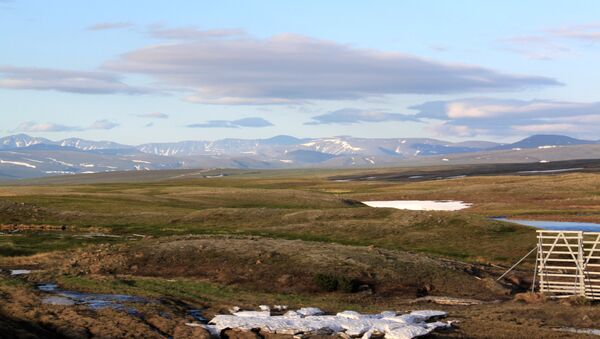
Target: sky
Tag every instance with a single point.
(157, 71)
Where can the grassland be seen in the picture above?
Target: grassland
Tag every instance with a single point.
(302, 205)
(239, 239)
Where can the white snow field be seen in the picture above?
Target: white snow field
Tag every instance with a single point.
(420, 205)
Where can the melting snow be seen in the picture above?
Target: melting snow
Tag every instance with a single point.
(141, 161)
(19, 272)
(420, 205)
(310, 319)
(17, 163)
(59, 172)
(61, 162)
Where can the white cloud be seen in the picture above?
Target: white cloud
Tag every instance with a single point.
(103, 124)
(254, 122)
(33, 127)
(353, 116)
(239, 69)
(84, 82)
(474, 116)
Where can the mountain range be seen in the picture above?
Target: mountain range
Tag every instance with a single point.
(24, 156)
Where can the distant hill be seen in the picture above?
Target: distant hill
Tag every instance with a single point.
(543, 140)
(24, 156)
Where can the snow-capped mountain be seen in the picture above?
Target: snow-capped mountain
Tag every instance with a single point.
(23, 156)
(21, 140)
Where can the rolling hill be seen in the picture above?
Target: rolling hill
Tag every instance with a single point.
(24, 156)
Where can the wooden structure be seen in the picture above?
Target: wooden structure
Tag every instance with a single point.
(568, 263)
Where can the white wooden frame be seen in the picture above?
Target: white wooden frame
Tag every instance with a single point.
(568, 263)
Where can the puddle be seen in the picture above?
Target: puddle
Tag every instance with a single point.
(92, 300)
(197, 315)
(556, 225)
(420, 205)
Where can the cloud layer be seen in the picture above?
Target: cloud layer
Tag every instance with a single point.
(253, 122)
(353, 116)
(226, 68)
(32, 127)
(474, 116)
(65, 81)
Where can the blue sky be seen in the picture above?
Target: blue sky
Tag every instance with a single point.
(141, 71)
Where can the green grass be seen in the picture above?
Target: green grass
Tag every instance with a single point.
(200, 293)
(305, 205)
(30, 243)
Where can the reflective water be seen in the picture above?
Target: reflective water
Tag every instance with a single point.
(556, 225)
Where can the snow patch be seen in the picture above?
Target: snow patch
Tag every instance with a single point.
(19, 272)
(17, 163)
(350, 323)
(420, 205)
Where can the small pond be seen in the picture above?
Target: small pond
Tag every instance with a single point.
(556, 225)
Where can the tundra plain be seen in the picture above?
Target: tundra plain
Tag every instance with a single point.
(210, 240)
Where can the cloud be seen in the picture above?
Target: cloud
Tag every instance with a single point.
(153, 115)
(290, 68)
(102, 26)
(32, 127)
(477, 116)
(460, 131)
(253, 122)
(353, 116)
(103, 124)
(46, 79)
